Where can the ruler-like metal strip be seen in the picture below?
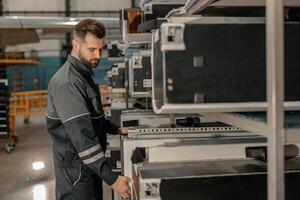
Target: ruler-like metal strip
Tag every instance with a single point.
(184, 130)
(188, 132)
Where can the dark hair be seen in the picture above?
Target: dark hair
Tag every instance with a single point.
(89, 25)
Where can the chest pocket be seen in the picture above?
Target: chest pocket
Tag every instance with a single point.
(95, 102)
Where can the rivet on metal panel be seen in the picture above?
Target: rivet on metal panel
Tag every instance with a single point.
(170, 81)
(170, 88)
(199, 61)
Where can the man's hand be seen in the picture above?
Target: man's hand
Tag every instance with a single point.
(123, 131)
(122, 186)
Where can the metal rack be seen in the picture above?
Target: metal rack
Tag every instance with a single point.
(256, 122)
(271, 124)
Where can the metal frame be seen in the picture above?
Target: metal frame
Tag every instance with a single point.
(166, 2)
(238, 121)
(159, 147)
(233, 3)
(134, 38)
(186, 132)
(132, 66)
(275, 97)
(145, 118)
(218, 107)
(274, 128)
(253, 125)
(204, 107)
(115, 72)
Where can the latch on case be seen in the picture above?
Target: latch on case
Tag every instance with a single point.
(172, 37)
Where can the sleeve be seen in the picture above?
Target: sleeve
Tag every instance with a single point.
(72, 108)
(110, 127)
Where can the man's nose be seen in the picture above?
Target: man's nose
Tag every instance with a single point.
(97, 55)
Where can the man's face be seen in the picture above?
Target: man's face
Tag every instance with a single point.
(89, 50)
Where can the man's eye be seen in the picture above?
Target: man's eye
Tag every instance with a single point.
(92, 50)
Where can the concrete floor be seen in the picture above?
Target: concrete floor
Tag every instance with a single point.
(18, 179)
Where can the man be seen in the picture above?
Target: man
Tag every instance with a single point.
(76, 121)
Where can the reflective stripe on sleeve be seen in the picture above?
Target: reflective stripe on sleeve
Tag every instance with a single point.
(94, 158)
(89, 151)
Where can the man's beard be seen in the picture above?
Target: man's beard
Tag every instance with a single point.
(88, 63)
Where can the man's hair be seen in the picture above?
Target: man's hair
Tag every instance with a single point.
(91, 26)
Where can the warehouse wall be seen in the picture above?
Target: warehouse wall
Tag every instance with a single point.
(96, 5)
(49, 48)
(59, 5)
(20, 7)
(33, 5)
(96, 8)
(46, 47)
(37, 77)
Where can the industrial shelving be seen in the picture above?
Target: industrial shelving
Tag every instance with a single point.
(278, 126)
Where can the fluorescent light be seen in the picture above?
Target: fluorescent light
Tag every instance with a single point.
(38, 165)
(39, 192)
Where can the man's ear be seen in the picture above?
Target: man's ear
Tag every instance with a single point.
(75, 43)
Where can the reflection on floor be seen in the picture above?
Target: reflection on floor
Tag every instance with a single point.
(18, 178)
(43, 190)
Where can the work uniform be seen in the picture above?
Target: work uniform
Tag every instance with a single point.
(78, 128)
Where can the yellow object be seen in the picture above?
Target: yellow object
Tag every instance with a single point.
(18, 58)
(26, 103)
(34, 102)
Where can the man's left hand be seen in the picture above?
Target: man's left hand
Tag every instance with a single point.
(123, 131)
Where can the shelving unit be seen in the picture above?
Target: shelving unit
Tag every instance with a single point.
(277, 126)
(4, 116)
(7, 115)
(4, 113)
(257, 122)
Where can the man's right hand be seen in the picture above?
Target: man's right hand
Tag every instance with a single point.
(122, 186)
